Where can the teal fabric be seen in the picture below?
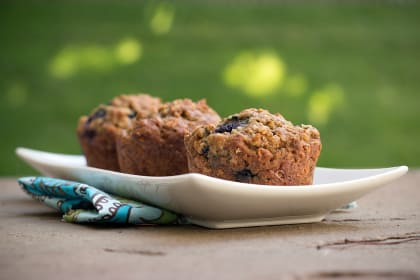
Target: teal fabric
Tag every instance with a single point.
(81, 203)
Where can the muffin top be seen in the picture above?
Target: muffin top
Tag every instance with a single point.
(179, 117)
(189, 111)
(120, 112)
(143, 105)
(257, 128)
(118, 117)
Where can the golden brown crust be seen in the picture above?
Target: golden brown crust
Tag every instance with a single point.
(257, 147)
(155, 146)
(97, 132)
(143, 104)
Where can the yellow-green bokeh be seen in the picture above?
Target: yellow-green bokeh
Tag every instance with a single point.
(162, 18)
(323, 102)
(128, 51)
(255, 73)
(72, 60)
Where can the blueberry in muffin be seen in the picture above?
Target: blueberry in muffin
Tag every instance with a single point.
(97, 132)
(255, 146)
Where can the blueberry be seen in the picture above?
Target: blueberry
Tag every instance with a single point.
(100, 113)
(205, 150)
(89, 133)
(244, 175)
(132, 115)
(230, 124)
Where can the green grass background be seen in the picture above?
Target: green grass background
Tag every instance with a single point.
(372, 51)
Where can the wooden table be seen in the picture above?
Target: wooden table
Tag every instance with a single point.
(380, 239)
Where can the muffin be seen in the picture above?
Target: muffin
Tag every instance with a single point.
(155, 145)
(255, 146)
(97, 132)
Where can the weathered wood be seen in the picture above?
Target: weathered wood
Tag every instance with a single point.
(379, 239)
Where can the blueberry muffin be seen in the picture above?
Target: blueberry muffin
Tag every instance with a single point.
(256, 147)
(155, 146)
(97, 132)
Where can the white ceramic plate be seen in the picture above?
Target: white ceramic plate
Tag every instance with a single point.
(217, 203)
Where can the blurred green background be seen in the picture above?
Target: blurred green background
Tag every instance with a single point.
(350, 69)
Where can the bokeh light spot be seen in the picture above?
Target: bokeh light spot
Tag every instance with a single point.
(295, 85)
(16, 95)
(128, 51)
(254, 73)
(95, 58)
(73, 60)
(236, 72)
(162, 18)
(323, 102)
(64, 64)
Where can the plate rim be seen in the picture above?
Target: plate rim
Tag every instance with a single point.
(397, 171)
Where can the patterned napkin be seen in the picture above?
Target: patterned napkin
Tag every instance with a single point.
(81, 203)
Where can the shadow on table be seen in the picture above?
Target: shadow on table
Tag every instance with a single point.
(184, 234)
(191, 234)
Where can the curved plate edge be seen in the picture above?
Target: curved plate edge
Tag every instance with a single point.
(288, 220)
